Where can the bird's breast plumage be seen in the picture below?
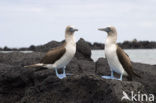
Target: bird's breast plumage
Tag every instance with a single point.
(67, 57)
(111, 55)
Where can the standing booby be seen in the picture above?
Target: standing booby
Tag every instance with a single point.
(118, 60)
(59, 57)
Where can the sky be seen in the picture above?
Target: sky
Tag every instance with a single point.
(27, 22)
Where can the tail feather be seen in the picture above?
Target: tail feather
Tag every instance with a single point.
(34, 65)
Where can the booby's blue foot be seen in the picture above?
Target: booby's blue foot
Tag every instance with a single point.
(109, 77)
(60, 76)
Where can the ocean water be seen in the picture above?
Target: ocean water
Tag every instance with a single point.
(147, 56)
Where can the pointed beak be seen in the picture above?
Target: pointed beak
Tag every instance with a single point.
(101, 29)
(104, 29)
(75, 29)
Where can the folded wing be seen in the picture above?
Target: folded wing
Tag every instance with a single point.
(53, 55)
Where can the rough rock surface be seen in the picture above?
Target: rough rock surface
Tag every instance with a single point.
(147, 73)
(82, 85)
(23, 85)
(83, 50)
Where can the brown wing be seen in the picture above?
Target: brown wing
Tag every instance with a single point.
(53, 55)
(125, 61)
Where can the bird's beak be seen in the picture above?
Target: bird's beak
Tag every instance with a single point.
(75, 30)
(104, 29)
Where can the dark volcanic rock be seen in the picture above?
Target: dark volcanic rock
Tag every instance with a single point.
(27, 86)
(102, 67)
(13, 81)
(20, 59)
(83, 83)
(83, 50)
(79, 89)
(81, 67)
(147, 73)
(46, 47)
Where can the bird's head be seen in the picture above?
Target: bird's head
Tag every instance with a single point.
(112, 34)
(111, 30)
(70, 30)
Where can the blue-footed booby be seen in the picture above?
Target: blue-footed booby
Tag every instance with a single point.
(59, 57)
(118, 60)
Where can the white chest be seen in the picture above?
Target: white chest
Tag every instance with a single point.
(66, 58)
(110, 51)
(113, 61)
(71, 49)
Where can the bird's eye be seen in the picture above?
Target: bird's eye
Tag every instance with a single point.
(70, 29)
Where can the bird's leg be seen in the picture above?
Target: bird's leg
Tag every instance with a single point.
(60, 76)
(56, 72)
(109, 77)
(64, 72)
(112, 75)
(121, 75)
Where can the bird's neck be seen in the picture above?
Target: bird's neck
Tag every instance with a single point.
(111, 39)
(70, 39)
